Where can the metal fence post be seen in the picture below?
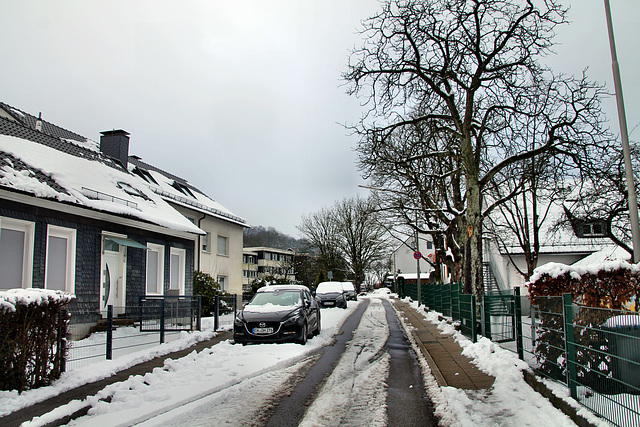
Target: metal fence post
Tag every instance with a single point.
(486, 316)
(140, 310)
(235, 306)
(162, 301)
(62, 341)
(474, 327)
(199, 313)
(570, 347)
(216, 313)
(518, 314)
(109, 332)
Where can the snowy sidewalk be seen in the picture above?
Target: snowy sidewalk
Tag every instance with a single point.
(443, 353)
(80, 393)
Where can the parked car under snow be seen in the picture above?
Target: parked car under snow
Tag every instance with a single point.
(278, 313)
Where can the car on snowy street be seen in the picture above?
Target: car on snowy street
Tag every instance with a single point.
(331, 294)
(349, 291)
(278, 313)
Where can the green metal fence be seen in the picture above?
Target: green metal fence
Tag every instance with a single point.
(595, 352)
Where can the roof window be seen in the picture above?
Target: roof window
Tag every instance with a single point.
(183, 189)
(144, 174)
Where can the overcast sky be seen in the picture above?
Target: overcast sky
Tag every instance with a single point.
(242, 98)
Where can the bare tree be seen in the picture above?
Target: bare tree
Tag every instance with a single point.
(469, 70)
(320, 229)
(348, 237)
(363, 240)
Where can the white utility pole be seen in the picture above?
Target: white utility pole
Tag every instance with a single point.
(631, 188)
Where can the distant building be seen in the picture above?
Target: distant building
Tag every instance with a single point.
(404, 263)
(249, 269)
(274, 262)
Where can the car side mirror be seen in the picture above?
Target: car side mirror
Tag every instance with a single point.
(307, 303)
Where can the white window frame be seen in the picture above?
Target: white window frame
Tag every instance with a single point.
(224, 285)
(27, 227)
(182, 254)
(69, 234)
(152, 247)
(206, 247)
(226, 245)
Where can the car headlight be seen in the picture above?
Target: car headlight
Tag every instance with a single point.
(292, 319)
(239, 321)
(340, 297)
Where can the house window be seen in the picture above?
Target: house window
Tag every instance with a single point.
(155, 269)
(60, 273)
(16, 253)
(222, 281)
(223, 246)
(206, 243)
(593, 229)
(177, 270)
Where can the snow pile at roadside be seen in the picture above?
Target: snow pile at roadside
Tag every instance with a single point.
(11, 401)
(179, 382)
(510, 402)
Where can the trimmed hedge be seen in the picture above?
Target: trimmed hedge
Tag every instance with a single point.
(611, 285)
(33, 325)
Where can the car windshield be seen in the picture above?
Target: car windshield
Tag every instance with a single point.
(325, 288)
(283, 298)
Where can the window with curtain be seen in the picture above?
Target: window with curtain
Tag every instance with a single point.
(60, 259)
(155, 269)
(16, 253)
(206, 239)
(223, 245)
(177, 269)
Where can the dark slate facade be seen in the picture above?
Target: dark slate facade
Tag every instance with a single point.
(88, 252)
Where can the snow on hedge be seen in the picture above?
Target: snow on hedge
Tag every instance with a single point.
(11, 298)
(556, 269)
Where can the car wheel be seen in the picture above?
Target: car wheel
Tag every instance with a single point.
(303, 334)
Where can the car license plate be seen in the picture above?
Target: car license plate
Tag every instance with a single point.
(328, 303)
(262, 330)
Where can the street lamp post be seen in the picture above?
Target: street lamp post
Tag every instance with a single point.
(624, 135)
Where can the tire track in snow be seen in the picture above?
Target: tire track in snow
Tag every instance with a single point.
(355, 392)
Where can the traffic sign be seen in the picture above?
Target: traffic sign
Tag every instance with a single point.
(417, 255)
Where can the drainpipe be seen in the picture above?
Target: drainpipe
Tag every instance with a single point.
(198, 247)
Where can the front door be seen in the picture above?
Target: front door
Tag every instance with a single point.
(112, 290)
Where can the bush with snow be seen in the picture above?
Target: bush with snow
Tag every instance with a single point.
(602, 292)
(32, 344)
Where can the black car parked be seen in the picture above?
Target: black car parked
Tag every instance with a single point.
(278, 313)
(331, 294)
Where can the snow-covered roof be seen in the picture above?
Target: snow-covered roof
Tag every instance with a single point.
(47, 166)
(84, 182)
(177, 190)
(553, 240)
(610, 253)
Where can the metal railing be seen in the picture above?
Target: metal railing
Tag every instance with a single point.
(105, 335)
(595, 352)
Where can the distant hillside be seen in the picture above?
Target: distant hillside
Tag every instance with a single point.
(270, 237)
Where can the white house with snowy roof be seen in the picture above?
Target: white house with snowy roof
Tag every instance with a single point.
(503, 252)
(77, 216)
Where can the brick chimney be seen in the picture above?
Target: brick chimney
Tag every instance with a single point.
(115, 144)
